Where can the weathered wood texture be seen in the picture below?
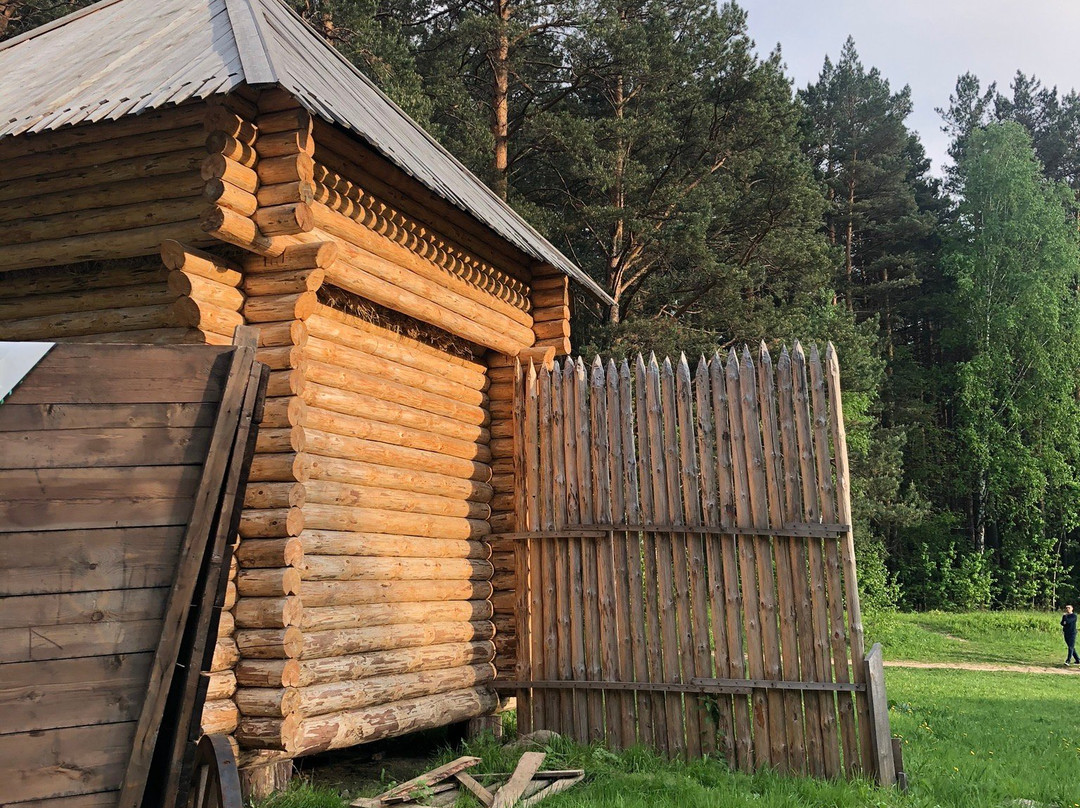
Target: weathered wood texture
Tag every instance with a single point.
(728, 491)
(104, 459)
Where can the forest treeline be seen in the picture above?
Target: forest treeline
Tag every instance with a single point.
(720, 205)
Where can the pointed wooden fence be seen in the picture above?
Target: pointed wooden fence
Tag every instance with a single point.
(686, 565)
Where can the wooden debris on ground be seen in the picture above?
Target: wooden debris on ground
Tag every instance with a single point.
(524, 787)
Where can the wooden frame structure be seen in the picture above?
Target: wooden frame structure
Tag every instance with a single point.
(118, 500)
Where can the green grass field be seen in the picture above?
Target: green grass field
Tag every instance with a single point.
(1004, 638)
(971, 738)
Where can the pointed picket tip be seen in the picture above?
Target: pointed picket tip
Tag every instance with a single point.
(765, 356)
(797, 352)
(814, 355)
(702, 365)
(830, 353)
(639, 363)
(654, 366)
(732, 364)
(597, 362)
(667, 365)
(597, 374)
(624, 368)
(611, 367)
(746, 357)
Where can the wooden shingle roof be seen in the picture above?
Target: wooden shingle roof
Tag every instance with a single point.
(123, 57)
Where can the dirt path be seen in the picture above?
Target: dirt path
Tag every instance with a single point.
(982, 666)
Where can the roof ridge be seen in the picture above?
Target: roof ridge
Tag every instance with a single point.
(60, 22)
(252, 43)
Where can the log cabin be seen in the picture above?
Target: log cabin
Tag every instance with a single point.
(171, 170)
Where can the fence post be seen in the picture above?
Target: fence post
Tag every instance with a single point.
(880, 733)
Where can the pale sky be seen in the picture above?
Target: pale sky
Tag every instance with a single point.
(926, 44)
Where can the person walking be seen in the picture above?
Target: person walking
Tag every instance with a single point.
(1068, 627)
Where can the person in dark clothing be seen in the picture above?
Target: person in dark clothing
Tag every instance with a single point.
(1068, 627)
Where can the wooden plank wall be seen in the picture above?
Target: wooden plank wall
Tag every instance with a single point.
(94, 501)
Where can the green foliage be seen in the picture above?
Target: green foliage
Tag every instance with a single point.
(1015, 261)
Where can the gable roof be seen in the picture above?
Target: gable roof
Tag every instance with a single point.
(78, 70)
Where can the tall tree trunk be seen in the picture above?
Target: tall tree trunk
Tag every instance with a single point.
(849, 240)
(615, 268)
(499, 58)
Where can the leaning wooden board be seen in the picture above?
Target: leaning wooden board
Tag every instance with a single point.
(104, 452)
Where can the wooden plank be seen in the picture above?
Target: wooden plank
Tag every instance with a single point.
(510, 793)
(696, 685)
(78, 640)
(748, 563)
(680, 567)
(793, 505)
(789, 654)
(834, 587)
(579, 730)
(605, 553)
(523, 667)
(709, 502)
(689, 473)
(637, 643)
(486, 797)
(675, 744)
(125, 374)
(563, 658)
(66, 762)
(587, 495)
(728, 575)
(90, 514)
(847, 548)
(109, 483)
(86, 560)
(93, 448)
(620, 571)
(654, 603)
(190, 561)
(57, 609)
(189, 684)
(100, 799)
(408, 790)
(29, 417)
(556, 787)
(45, 695)
(764, 558)
(546, 568)
(535, 633)
(816, 562)
(884, 766)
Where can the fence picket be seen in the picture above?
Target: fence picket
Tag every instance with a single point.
(840, 647)
(563, 665)
(535, 611)
(574, 497)
(748, 563)
(724, 736)
(816, 562)
(638, 643)
(521, 551)
(733, 601)
(789, 660)
(759, 507)
(546, 547)
(605, 553)
(793, 506)
(653, 603)
(851, 587)
(620, 573)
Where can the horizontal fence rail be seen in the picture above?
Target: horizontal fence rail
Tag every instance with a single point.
(685, 560)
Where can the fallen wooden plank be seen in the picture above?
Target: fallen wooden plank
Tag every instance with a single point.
(528, 765)
(555, 787)
(481, 793)
(551, 774)
(404, 791)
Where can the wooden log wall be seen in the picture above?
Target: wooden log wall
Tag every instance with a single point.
(102, 191)
(550, 307)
